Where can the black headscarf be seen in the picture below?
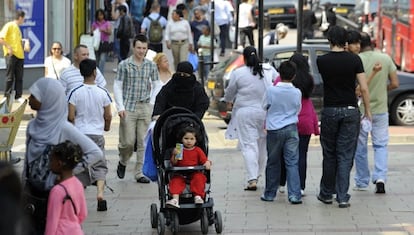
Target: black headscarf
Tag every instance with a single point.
(182, 86)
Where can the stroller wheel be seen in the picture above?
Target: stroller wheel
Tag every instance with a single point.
(161, 224)
(154, 215)
(218, 222)
(175, 222)
(204, 222)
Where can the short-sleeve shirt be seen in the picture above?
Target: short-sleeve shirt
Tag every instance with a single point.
(338, 71)
(90, 101)
(71, 78)
(13, 36)
(55, 67)
(378, 95)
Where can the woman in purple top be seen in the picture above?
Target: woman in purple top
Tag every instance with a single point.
(106, 30)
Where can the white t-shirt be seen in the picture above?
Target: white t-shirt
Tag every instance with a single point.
(89, 102)
(55, 66)
(71, 78)
(245, 10)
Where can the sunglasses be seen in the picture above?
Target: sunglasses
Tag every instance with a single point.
(57, 49)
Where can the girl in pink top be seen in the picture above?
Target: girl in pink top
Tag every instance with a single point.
(66, 209)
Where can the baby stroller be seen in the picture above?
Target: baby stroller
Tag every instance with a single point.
(164, 139)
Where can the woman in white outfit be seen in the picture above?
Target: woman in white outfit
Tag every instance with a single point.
(245, 92)
(56, 62)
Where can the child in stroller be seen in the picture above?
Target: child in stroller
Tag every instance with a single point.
(186, 208)
(190, 155)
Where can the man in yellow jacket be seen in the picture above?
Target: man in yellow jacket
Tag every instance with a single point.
(11, 39)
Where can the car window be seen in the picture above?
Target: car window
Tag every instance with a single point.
(283, 56)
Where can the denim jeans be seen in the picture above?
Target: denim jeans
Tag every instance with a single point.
(339, 135)
(283, 141)
(101, 60)
(379, 136)
(303, 165)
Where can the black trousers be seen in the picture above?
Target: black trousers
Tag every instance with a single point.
(14, 76)
(124, 48)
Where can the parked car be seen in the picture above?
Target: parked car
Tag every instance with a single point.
(280, 11)
(400, 100)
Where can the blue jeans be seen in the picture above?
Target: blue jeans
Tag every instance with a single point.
(206, 67)
(339, 135)
(101, 60)
(379, 136)
(283, 141)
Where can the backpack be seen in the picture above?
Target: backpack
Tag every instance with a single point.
(155, 30)
(126, 28)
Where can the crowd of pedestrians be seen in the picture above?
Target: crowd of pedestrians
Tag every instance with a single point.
(66, 137)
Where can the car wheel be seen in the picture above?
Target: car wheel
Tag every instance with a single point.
(402, 110)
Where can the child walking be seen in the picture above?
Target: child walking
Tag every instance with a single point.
(66, 209)
(204, 49)
(283, 104)
(191, 156)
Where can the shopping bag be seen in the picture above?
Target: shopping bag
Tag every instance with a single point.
(149, 168)
(232, 33)
(96, 39)
(193, 59)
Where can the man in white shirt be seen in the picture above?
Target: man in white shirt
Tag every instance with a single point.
(71, 76)
(90, 112)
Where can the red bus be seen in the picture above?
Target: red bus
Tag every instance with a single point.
(395, 34)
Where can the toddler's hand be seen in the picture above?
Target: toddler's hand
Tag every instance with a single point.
(207, 165)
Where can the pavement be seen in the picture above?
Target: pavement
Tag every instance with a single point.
(243, 212)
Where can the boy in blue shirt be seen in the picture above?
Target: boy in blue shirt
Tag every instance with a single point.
(282, 103)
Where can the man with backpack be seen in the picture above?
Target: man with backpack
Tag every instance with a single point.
(153, 26)
(125, 32)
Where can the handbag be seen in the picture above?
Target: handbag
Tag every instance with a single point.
(105, 47)
(325, 24)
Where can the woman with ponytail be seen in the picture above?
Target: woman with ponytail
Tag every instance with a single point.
(245, 92)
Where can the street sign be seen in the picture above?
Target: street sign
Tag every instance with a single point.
(33, 29)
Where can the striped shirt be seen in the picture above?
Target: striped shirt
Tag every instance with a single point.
(71, 78)
(137, 81)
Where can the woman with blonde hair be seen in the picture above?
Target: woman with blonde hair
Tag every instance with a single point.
(164, 72)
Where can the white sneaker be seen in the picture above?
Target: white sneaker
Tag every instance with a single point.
(198, 200)
(115, 70)
(302, 192)
(3, 100)
(21, 100)
(173, 203)
(281, 189)
(357, 188)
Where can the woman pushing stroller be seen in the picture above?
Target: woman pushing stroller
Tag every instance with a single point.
(189, 155)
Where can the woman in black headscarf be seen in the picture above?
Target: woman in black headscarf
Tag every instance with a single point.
(182, 91)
